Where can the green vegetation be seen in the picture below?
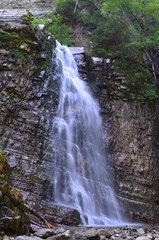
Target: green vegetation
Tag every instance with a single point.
(54, 25)
(122, 29)
(125, 30)
(58, 29)
(3, 167)
(134, 41)
(20, 54)
(8, 36)
(65, 8)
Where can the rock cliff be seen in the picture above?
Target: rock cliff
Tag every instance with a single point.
(131, 140)
(34, 5)
(28, 102)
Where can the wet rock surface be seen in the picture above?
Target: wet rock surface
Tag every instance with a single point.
(28, 94)
(79, 56)
(13, 218)
(35, 5)
(130, 130)
(84, 233)
(130, 136)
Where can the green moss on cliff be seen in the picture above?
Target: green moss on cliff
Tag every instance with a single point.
(13, 218)
(4, 168)
(20, 54)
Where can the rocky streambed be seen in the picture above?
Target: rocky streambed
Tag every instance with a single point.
(62, 232)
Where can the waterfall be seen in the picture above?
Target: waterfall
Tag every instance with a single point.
(80, 176)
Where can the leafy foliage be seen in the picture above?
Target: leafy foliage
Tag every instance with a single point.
(65, 8)
(58, 29)
(123, 29)
(136, 21)
(148, 93)
(54, 25)
(18, 53)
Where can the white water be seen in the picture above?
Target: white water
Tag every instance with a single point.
(80, 175)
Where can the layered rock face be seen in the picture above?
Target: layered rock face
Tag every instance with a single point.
(28, 93)
(13, 218)
(131, 139)
(28, 4)
(22, 101)
(28, 103)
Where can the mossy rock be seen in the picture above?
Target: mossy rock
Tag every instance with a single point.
(13, 219)
(4, 168)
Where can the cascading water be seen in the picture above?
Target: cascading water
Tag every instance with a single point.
(80, 174)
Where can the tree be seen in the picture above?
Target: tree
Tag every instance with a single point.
(140, 17)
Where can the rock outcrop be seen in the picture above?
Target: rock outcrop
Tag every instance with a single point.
(35, 5)
(28, 93)
(131, 138)
(13, 219)
(28, 102)
(82, 233)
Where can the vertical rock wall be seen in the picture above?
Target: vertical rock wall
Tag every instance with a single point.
(28, 103)
(28, 4)
(27, 95)
(131, 140)
(23, 94)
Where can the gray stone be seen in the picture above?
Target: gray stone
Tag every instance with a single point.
(62, 236)
(96, 64)
(60, 230)
(25, 140)
(4, 52)
(25, 47)
(44, 233)
(104, 232)
(34, 228)
(155, 235)
(149, 236)
(41, 26)
(37, 6)
(24, 237)
(10, 14)
(77, 50)
(140, 231)
(102, 238)
(96, 61)
(143, 238)
(5, 237)
(91, 234)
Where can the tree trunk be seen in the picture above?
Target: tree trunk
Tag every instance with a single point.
(76, 5)
(143, 34)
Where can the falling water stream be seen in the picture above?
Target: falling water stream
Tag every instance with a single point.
(81, 179)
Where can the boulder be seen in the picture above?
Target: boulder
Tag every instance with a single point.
(62, 236)
(140, 231)
(91, 234)
(143, 238)
(44, 233)
(102, 238)
(71, 217)
(60, 230)
(155, 235)
(104, 232)
(34, 228)
(62, 215)
(24, 237)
